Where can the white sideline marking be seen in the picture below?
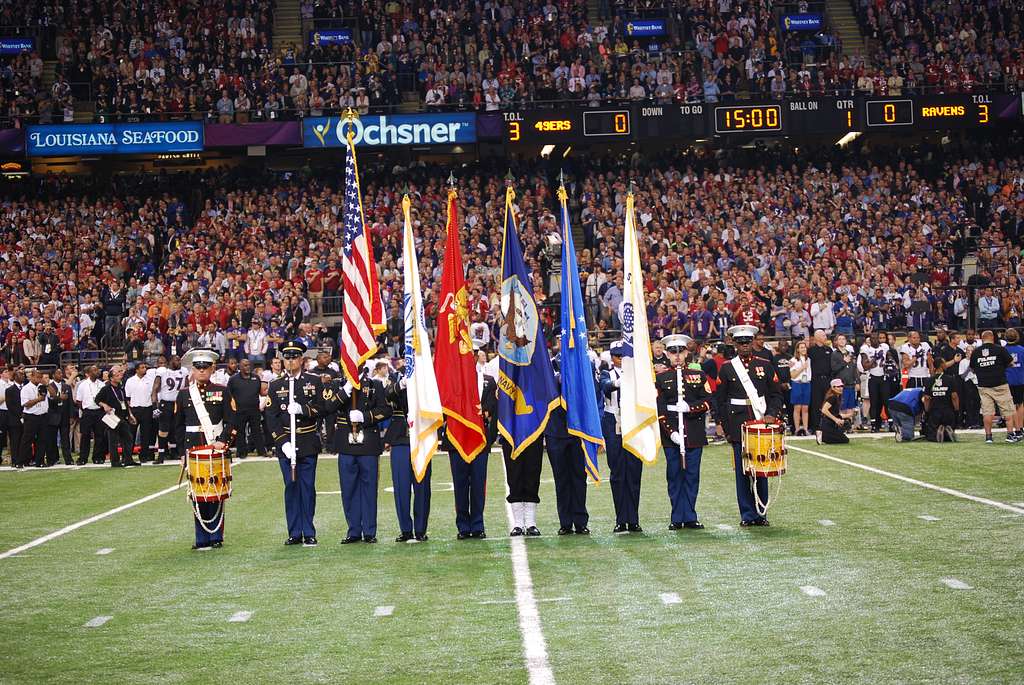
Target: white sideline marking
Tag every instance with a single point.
(927, 517)
(812, 591)
(512, 601)
(956, 584)
(240, 617)
(668, 598)
(535, 650)
(913, 481)
(97, 622)
(827, 522)
(104, 551)
(1018, 504)
(84, 522)
(384, 611)
(328, 492)
(724, 526)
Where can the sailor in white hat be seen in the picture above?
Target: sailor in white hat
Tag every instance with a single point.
(684, 398)
(748, 389)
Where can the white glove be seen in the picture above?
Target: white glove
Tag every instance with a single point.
(355, 416)
(402, 383)
(288, 449)
(348, 388)
(294, 408)
(683, 406)
(156, 413)
(676, 438)
(617, 383)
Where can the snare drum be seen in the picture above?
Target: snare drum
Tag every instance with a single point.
(763, 450)
(209, 474)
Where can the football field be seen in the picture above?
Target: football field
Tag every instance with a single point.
(909, 570)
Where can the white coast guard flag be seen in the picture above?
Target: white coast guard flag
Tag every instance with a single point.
(424, 417)
(638, 398)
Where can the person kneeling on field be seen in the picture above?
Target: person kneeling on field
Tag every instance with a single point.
(941, 399)
(903, 408)
(832, 430)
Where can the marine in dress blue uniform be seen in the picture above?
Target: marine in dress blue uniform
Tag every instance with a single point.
(734, 408)
(403, 479)
(626, 470)
(469, 481)
(311, 401)
(357, 437)
(565, 452)
(682, 393)
(189, 433)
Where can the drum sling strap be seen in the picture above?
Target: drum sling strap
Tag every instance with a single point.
(209, 432)
(757, 403)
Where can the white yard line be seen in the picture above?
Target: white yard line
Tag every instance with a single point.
(668, 598)
(913, 481)
(956, 584)
(97, 622)
(812, 591)
(535, 649)
(384, 610)
(827, 522)
(928, 517)
(104, 551)
(84, 522)
(240, 617)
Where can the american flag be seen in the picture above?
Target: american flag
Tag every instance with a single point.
(362, 314)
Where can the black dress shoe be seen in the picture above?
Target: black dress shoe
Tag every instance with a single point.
(516, 532)
(370, 539)
(762, 522)
(422, 537)
(200, 548)
(293, 541)
(130, 464)
(479, 535)
(694, 525)
(463, 536)
(309, 541)
(746, 524)
(350, 539)
(404, 537)
(675, 526)
(620, 528)
(565, 531)
(80, 462)
(635, 528)
(583, 531)
(216, 545)
(533, 531)
(158, 460)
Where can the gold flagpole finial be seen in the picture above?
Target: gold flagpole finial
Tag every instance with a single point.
(350, 117)
(563, 196)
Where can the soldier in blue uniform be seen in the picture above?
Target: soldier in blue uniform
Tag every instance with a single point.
(358, 441)
(626, 470)
(189, 432)
(469, 481)
(302, 395)
(402, 477)
(736, 406)
(565, 452)
(684, 395)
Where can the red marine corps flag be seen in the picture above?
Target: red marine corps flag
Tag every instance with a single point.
(363, 313)
(454, 362)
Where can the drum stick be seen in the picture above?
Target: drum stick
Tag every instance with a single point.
(291, 418)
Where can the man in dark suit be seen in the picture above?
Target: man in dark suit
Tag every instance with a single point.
(12, 397)
(114, 403)
(58, 420)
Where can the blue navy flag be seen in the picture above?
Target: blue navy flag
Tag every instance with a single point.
(526, 382)
(579, 398)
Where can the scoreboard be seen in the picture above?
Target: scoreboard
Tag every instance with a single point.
(791, 117)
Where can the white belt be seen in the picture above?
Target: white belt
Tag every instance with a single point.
(218, 427)
(739, 402)
(673, 407)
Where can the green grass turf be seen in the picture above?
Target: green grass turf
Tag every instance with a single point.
(886, 615)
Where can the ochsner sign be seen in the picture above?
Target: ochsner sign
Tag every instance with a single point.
(114, 139)
(394, 129)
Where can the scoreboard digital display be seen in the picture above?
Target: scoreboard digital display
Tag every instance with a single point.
(748, 119)
(820, 116)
